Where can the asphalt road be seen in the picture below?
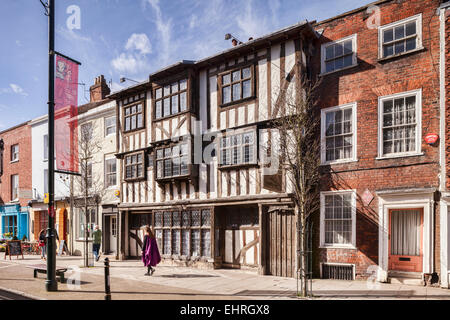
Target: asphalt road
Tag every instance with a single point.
(6, 295)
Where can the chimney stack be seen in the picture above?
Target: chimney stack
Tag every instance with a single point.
(99, 90)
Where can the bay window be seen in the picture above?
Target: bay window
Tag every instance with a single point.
(238, 149)
(172, 161)
(134, 166)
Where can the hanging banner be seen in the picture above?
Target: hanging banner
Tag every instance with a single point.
(66, 114)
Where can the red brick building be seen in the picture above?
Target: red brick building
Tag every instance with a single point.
(379, 66)
(15, 185)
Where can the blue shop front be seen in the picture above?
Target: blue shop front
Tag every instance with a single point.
(14, 220)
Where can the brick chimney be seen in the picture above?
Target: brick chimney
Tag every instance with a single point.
(99, 90)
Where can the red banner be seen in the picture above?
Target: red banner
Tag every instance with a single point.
(66, 113)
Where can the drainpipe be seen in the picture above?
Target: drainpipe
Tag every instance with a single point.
(444, 239)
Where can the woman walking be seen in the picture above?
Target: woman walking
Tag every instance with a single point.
(42, 243)
(150, 252)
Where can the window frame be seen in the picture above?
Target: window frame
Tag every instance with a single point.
(107, 127)
(354, 38)
(109, 158)
(178, 93)
(13, 153)
(230, 71)
(124, 116)
(351, 245)
(323, 113)
(46, 147)
(241, 145)
(144, 168)
(419, 44)
(418, 151)
(164, 158)
(12, 187)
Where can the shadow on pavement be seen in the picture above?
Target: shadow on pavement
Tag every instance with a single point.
(188, 276)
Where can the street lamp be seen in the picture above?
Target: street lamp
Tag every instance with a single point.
(123, 79)
(235, 40)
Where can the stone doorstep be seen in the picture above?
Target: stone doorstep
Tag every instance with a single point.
(407, 278)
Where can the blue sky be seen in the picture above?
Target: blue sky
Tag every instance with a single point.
(129, 38)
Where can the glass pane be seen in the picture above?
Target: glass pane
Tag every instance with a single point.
(158, 112)
(226, 79)
(399, 32)
(133, 109)
(206, 218)
(195, 215)
(329, 66)
(159, 169)
(236, 91)
(167, 242)
(167, 152)
(329, 52)
(159, 154)
(348, 60)
(195, 242)
(176, 219)
(175, 87)
(226, 94)
(139, 108)
(410, 44)
(140, 123)
(387, 106)
(185, 242)
(127, 124)
(338, 63)
(158, 93)
(411, 28)
(399, 47)
(158, 219)
(338, 50)
(133, 122)
(236, 75)
(247, 89)
(348, 46)
(183, 84)
(176, 242)
(184, 148)
(166, 90)
(183, 101)
(206, 243)
(246, 73)
(167, 219)
(184, 165)
(174, 104)
(166, 107)
(176, 166)
(388, 35)
(185, 219)
(167, 168)
(388, 50)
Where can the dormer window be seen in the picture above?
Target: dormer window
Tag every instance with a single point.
(171, 99)
(236, 85)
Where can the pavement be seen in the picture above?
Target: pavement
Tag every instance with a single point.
(128, 282)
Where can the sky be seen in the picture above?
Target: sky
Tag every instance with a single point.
(129, 38)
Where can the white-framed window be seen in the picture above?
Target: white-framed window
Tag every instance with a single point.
(338, 219)
(110, 125)
(46, 147)
(339, 54)
(14, 187)
(110, 172)
(15, 153)
(238, 149)
(338, 134)
(400, 124)
(400, 37)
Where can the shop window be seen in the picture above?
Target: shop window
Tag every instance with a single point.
(86, 222)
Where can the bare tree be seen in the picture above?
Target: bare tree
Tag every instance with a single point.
(89, 185)
(298, 139)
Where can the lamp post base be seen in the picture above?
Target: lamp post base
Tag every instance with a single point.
(51, 285)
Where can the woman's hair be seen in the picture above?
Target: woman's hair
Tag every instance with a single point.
(149, 231)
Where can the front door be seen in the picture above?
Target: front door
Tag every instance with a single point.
(405, 240)
(113, 234)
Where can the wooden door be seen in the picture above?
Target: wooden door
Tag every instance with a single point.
(280, 243)
(405, 240)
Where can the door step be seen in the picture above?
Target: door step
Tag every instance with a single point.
(408, 278)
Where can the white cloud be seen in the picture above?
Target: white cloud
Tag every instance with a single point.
(250, 24)
(19, 43)
(128, 63)
(18, 90)
(193, 22)
(139, 42)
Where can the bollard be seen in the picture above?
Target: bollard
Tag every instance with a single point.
(107, 284)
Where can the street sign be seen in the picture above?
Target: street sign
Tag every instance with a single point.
(46, 198)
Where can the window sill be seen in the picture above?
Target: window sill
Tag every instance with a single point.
(334, 71)
(331, 163)
(133, 130)
(172, 179)
(381, 60)
(172, 115)
(238, 166)
(349, 247)
(14, 161)
(403, 155)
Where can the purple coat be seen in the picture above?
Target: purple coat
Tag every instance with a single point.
(151, 256)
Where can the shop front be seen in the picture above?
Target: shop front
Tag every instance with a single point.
(15, 221)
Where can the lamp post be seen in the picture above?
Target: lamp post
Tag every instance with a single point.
(50, 283)
(123, 79)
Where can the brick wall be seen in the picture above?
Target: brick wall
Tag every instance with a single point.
(364, 84)
(20, 135)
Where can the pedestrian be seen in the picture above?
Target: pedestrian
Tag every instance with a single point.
(42, 243)
(97, 242)
(150, 252)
